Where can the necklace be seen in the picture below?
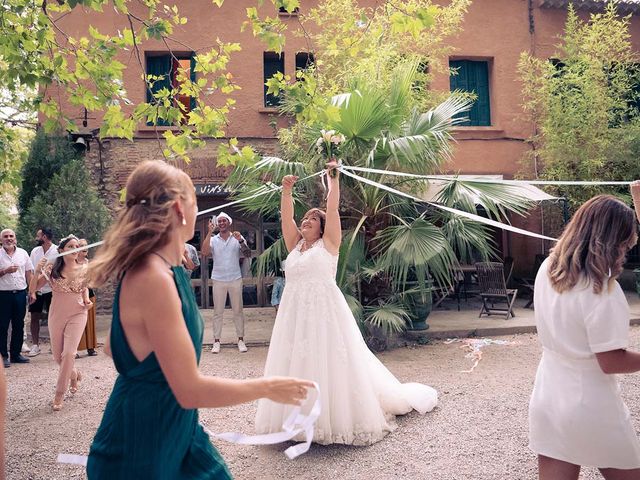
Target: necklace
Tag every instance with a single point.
(163, 259)
(306, 246)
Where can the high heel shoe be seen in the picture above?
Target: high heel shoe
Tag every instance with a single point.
(73, 388)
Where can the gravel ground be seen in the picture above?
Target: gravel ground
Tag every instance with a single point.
(478, 431)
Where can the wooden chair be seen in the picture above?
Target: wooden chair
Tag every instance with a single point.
(528, 283)
(493, 289)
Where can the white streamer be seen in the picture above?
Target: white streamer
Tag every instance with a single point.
(489, 180)
(296, 423)
(461, 213)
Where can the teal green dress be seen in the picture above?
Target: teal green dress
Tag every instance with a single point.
(145, 433)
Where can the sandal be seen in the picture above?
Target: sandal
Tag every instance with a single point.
(73, 388)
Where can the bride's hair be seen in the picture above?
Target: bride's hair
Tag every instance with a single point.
(321, 215)
(145, 223)
(594, 244)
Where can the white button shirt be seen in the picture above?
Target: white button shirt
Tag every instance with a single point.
(37, 254)
(226, 259)
(16, 280)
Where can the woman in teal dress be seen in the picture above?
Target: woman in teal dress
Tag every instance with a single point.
(150, 426)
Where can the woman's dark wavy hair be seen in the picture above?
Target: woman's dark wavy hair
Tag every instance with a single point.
(58, 264)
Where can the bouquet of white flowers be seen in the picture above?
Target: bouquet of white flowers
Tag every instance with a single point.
(328, 145)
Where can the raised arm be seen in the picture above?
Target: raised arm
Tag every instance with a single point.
(290, 230)
(206, 243)
(38, 279)
(635, 193)
(170, 340)
(332, 230)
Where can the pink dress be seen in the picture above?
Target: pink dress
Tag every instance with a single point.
(67, 320)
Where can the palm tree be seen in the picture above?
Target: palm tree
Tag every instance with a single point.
(393, 248)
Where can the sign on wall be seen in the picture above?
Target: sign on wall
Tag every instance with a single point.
(211, 190)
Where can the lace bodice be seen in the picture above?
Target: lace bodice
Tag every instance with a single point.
(65, 285)
(315, 264)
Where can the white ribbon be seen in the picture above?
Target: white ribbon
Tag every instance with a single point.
(259, 192)
(461, 213)
(295, 423)
(482, 180)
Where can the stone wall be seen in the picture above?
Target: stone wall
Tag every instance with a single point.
(110, 161)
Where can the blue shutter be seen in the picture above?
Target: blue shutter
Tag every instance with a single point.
(160, 65)
(473, 77)
(193, 79)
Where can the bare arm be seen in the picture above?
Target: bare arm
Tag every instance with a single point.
(206, 243)
(170, 340)
(290, 230)
(187, 262)
(332, 230)
(635, 193)
(619, 361)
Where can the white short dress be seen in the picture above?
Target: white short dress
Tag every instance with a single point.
(576, 413)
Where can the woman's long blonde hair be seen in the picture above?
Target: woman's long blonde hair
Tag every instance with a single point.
(594, 244)
(145, 223)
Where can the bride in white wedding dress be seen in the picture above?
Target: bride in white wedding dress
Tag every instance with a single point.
(315, 336)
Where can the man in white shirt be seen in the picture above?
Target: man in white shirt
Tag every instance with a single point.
(41, 301)
(15, 274)
(226, 248)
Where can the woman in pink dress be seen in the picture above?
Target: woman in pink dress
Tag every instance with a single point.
(67, 314)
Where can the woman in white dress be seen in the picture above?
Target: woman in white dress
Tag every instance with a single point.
(576, 414)
(315, 336)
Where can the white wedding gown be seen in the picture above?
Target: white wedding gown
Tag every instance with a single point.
(316, 337)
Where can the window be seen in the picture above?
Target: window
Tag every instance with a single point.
(168, 66)
(473, 76)
(284, 10)
(304, 60)
(273, 63)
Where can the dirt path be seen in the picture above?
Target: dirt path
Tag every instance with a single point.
(478, 431)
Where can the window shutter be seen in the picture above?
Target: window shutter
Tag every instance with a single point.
(473, 77)
(159, 66)
(193, 79)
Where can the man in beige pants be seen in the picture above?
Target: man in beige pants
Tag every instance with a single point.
(226, 248)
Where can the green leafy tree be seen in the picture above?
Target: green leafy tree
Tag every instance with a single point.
(585, 106)
(15, 142)
(40, 62)
(69, 205)
(47, 155)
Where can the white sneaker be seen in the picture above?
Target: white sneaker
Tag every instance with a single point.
(25, 348)
(216, 347)
(241, 346)
(34, 352)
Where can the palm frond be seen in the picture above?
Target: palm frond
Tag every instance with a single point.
(363, 115)
(391, 317)
(270, 261)
(471, 241)
(418, 245)
(498, 200)
(423, 142)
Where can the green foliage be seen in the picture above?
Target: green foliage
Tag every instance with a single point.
(585, 106)
(37, 54)
(69, 205)
(14, 147)
(47, 155)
